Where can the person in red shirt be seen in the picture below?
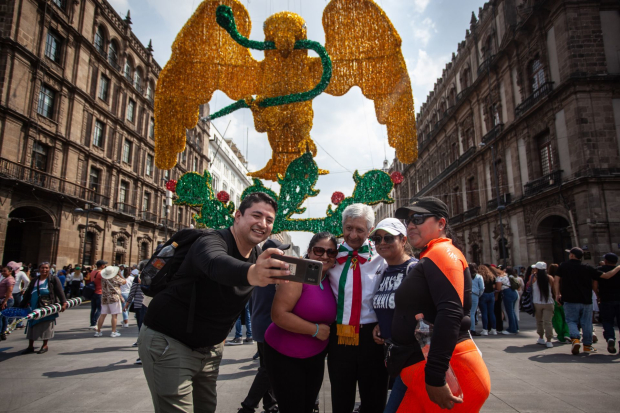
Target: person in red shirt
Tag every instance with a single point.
(95, 302)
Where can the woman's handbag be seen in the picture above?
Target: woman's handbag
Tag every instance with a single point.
(44, 299)
(397, 356)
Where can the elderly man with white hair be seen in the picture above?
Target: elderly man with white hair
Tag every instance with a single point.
(354, 357)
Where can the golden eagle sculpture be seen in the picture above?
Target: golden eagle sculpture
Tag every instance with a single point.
(211, 53)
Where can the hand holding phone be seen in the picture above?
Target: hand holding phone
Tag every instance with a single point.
(301, 270)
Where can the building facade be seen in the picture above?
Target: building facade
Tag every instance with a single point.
(525, 122)
(76, 131)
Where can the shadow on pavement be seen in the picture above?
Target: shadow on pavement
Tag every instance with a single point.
(238, 375)
(530, 348)
(92, 370)
(599, 358)
(100, 350)
(230, 361)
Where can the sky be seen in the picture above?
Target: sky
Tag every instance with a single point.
(346, 131)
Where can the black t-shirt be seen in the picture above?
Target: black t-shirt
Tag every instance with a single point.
(222, 291)
(489, 286)
(576, 281)
(608, 290)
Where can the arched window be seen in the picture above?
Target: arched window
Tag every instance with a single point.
(113, 54)
(537, 74)
(137, 79)
(149, 91)
(100, 40)
(488, 47)
(128, 71)
(465, 79)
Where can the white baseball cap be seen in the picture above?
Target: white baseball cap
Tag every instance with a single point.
(392, 226)
(540, 265)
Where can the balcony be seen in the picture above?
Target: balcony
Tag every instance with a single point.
(126, 209)
(463, 93)
(471, 213)
(22, 173)
(114, 64)
(534, 98)
(492, 134)
(486, 65)
(504, 200)
(139, 88)
(455, 220)
(548, 181)
(149, 216)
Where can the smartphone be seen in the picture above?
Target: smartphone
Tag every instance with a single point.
(302, 270)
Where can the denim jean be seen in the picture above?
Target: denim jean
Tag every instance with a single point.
(95, 309)
(4, 321)
(510, 296)
(579, 314)
(610, 316)
(248, 324)
(472, 313)
(396, 396)
(140, 314)
(487, 308)
(125, 313)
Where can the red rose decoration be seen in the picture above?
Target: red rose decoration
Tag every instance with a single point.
(337, 197)
(171, 185)
(223, 196)
(397, 177)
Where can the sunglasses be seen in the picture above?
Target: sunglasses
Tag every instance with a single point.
(389, 239)
(319, 251)
(417, 219)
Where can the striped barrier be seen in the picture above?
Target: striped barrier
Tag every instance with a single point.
(25, 314)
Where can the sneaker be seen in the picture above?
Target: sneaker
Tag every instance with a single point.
(92, 327)
(115, 334)
(256, 356)
(505, 332)
(549, 344)
(98, 333)
(484, 333)
(135, 344)
(138, 362)
(248, 340)
(125, 325)
(540, 341)
(493, 332)
(474, 333)
(611, 346)
(594, 338)
(589, 349)
(3, 337)
(576, 346)
(235, 342)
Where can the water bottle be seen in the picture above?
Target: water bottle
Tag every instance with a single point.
(158, 263)
(423, 333)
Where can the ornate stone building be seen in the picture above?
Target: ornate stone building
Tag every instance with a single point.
(76, 131)
(525, 121)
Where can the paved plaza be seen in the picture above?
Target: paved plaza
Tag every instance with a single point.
(81, 373)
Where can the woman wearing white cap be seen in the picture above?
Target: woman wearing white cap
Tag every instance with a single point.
(390, 238)
(542, 297)
(110, 298)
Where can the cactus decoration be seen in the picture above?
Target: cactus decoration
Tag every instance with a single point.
(296, 186)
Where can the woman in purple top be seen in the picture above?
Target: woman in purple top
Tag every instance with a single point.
(296, 341)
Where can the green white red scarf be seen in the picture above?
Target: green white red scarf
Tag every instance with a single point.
(348, 332)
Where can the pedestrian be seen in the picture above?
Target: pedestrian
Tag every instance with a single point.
(608, 292)
(542, 297)
(477, 289)
(487, 300)
(95, 302)
(21, 282)
(296, 342)
(111, 298)
(43, 290)
(515, 279)
(244, 318)
(573, 289)
(390, 238)
(354, 359)
(509, 296)
(262, 301)
(125, 288)
(225, 265)
(77, 279)
(6, 297)
(559, 318)
(439, 288)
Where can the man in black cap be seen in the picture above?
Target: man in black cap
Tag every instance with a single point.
(573, 290)
(608, 293)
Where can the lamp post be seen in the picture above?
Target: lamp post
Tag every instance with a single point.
(81, 211)
(500, 205)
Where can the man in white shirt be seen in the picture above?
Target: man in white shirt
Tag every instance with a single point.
(354, 358)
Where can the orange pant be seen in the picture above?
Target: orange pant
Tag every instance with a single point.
(471, 372)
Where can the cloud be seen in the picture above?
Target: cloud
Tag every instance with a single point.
(420, 5)
(119, 5)
(424, 72)
(424, 31)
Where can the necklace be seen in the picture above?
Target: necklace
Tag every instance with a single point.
(321, 283)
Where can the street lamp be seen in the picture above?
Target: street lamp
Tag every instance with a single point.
(500, 205)
(81, 211)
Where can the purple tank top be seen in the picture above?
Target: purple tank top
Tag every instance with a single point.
(315, 305)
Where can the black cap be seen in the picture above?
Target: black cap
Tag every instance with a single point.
(100, 263)
(577, 252)
(274, 243)
(424, 205)
(611, 257)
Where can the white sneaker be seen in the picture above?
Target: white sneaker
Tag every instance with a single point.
(493, 332)
(98, 333)
(115, 334)
(549, 344)
(541, 341)
(125, 325)
(505, 332)
(135, 344)
(92, 327)
(484, 333)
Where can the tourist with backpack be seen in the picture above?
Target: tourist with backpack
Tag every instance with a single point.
(181, 340)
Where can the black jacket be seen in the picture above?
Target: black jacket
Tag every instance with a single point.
(56, 293)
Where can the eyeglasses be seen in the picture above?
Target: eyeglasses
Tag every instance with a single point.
(389, 239)
(319, 251)
(417, 219)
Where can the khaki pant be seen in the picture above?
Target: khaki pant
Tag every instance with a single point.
(180, 379)
(544, 315)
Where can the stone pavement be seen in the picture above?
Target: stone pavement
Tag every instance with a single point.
(82, 373)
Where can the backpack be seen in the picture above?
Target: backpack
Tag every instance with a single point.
(514, 284)
(89, 289)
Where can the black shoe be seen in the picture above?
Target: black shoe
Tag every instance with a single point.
(28, 350)
(256, 356)
(248, 340)
(2, 336)
(42, 350)
(611, 346)
(475, 333)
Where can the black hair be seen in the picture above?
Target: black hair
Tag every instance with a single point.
(321, 236)
(528, 274)
(543, 284)
(255, 198)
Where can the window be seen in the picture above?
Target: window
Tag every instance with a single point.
(149, 92)
(137, 79)
(146, 202)
(127, 151)
(184, 156)
(546, 156)
(215, 184)
(537, 73)
(149, 165)
(456, 201)
(120, 242)
(224, 186)
(98, 135)
(195, 165)
(152, 128)
(94, 178)
(39, 157)
(167, 174)
(472, 194)
(113, 55)
(464, 79)
(199, 143)
(53, 46)
(46, 102)
(100, 40)
(494, 115)
(131, 110)
(104, 88)
(122, 195)
(59, 3)
(144, 251)
(89, 247)
(180, 215)
(500, 178)
(128, 69)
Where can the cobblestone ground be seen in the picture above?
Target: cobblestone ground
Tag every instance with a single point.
(81, 373)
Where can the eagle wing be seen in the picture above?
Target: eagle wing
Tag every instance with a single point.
(366, 51)
(204, 59)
